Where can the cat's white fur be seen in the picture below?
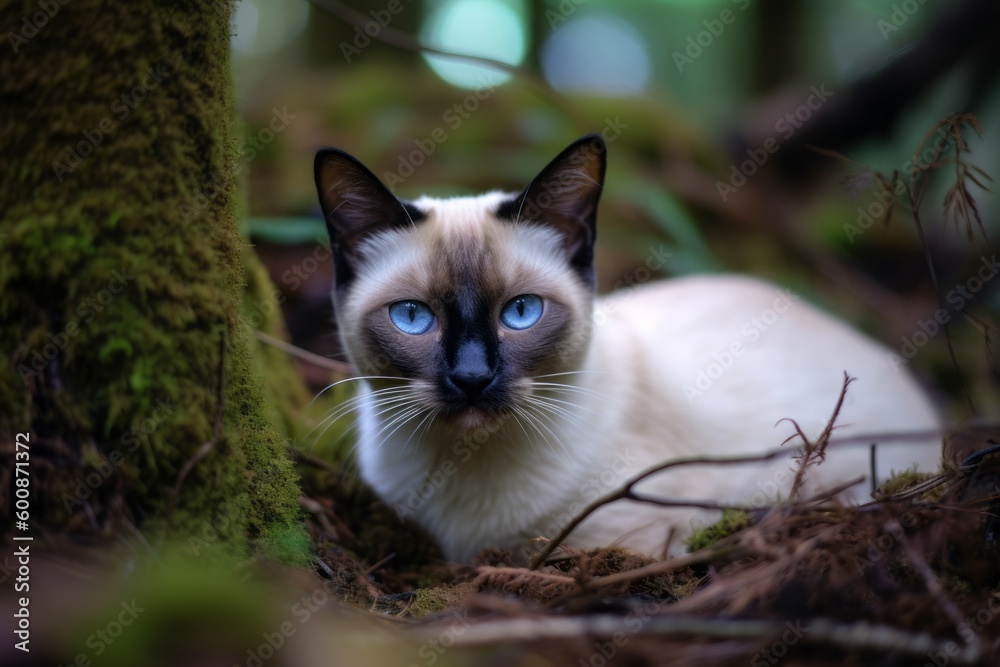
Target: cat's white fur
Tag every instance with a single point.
(705, 365)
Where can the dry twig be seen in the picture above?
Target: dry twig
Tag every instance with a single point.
(626, 492)
(338, 367)
(317, 510)
(814, 452)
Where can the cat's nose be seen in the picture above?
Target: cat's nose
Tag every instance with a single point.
(471, 373)
(471, 381)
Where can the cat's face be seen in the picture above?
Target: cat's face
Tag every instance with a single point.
(470, 300)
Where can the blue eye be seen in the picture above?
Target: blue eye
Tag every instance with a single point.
(522, 311)
(411, 317)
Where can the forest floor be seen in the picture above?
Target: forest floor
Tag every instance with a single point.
(913, 578)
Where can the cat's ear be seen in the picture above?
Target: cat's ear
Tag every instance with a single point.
(355, 205)
(564, 195)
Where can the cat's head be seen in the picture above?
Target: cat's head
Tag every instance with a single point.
(469, 298)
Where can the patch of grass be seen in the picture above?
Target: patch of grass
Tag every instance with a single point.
(732, 521)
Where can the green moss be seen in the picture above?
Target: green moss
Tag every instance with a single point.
(430, 600)
(901, 481)
(122, 273)
(731, 522)
(261, 312)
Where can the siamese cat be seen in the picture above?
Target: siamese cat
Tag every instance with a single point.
(498, 397)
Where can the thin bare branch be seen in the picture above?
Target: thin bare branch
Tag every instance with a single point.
(407, 42)
(626, 491)
(338, 367)
(814, 452)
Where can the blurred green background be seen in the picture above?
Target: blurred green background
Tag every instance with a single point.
(687, 91)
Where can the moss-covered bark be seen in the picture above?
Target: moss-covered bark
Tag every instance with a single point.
(122, 275)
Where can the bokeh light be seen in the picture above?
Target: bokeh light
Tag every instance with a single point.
(489, 28)
(599, 53)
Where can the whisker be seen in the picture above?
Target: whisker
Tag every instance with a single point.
(579, 372)
(355, 379)
(569, 388)
(517, 414)
(330, 419)
(630, 380)
(382, 396)
(405, 412)
(567, 415)
(425, 423)
(384, 400)
(574, 406)
(531, 422)
(538, 419)
(399, 422)
(352, 402)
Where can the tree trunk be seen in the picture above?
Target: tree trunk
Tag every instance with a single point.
(129, 344)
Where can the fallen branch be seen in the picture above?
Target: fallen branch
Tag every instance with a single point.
(813, 452)
(723, 547)
(625, 492)
(513, 579)
(819, 631)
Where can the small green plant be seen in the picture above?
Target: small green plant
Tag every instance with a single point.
(732, 521)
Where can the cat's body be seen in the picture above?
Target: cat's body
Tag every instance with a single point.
(519, 407)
